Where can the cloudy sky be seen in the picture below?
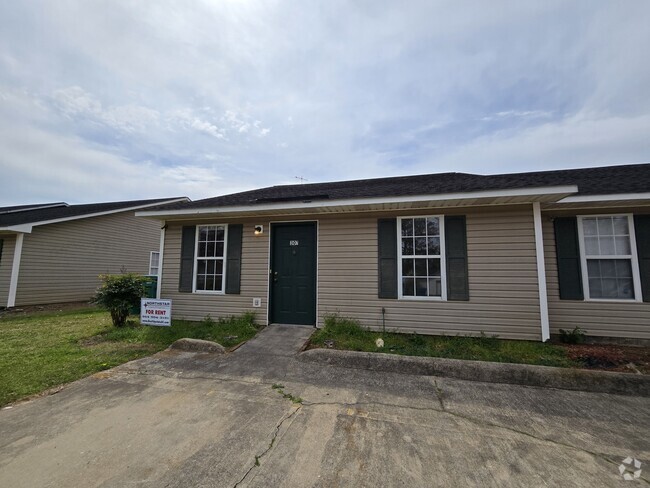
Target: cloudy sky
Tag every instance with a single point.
(110, 100)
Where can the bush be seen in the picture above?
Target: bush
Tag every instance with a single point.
(118, 294)
(575, 336)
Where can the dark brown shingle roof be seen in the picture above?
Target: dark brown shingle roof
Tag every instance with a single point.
(590, 181)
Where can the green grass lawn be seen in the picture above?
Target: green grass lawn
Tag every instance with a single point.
(40, 351)
(349, 335)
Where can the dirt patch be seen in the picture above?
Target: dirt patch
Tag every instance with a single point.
(92, 341)
(626, 359)
(110, 346)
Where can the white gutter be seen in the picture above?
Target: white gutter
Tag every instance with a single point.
(161, 249)
(15, 269)
(541, 272)
(605, 198)
(520, 192)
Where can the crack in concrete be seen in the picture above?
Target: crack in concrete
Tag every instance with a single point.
(602, 456)
(439, 394)
(475, 421)
(358, 404)
(440, 397)
(276, 432)
(190, 377)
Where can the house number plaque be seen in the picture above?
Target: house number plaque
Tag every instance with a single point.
(293, 243)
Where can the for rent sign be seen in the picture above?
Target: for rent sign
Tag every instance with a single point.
(155, 312)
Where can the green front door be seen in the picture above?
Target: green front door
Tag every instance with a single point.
(293, 273)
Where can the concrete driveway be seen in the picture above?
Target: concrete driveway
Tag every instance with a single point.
(193, 420)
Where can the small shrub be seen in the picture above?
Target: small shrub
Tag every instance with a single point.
(118, 294)
(575, 336)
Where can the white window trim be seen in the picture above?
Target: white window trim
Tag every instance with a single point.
(634, 258)
(151, 253)
(443, 260)
(196, 258)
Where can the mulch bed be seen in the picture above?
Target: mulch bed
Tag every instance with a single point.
(627, 359)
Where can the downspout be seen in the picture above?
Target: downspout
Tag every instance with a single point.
(15, 269)
(161, 249)
(541, 272)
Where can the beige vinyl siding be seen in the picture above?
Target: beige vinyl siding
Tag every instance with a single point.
(605, 319)
(61, 262)
(502, 266)
(254, 273)
(502, 271)
(6, 263)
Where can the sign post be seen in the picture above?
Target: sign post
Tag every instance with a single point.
(155, 312)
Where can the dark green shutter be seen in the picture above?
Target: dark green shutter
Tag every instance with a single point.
(187, 259)
(567, 248)
(233, 258)
(642, 231)
(1, 244)
(387, 244)
(456, 257)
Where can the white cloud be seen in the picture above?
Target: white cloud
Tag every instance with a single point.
(66, 168)
(208, 128)
(343, 90)
(580, 140)
(523, 114)
(131, 118)
(74, 101)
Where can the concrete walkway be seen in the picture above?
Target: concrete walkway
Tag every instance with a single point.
(191, 420)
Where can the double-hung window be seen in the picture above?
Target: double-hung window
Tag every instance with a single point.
(210, 252)
(154, 263)
(610, 269)
(421, 257)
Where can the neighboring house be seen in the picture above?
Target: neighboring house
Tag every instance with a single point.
(53, 253)
(517, 255)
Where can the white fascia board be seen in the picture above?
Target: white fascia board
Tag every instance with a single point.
(521, 192)
(19, 229)
(96, 214)
(605, 198)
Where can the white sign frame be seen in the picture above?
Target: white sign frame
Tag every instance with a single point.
(154, 311)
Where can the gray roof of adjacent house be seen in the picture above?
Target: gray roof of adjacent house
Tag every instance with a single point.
(30, 214)
(633, 178)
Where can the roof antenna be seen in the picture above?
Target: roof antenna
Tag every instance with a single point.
(301, 179)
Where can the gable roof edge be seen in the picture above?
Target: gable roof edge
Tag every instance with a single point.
(27, 227)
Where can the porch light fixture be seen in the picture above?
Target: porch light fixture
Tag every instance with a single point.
(259, 230)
